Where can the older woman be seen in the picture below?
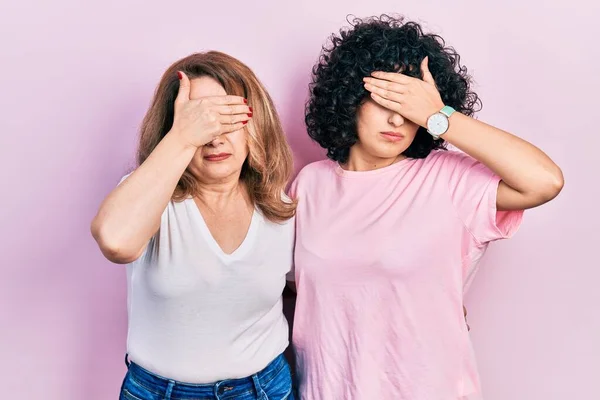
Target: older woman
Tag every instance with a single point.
(207, 237)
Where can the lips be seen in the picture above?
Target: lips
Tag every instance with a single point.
(217, 157)
(393, 136)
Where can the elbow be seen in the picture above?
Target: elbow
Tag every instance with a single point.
(114, 249)
(555, 183)
(550, 186)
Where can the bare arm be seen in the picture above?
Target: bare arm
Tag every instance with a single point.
(529, 177)
(130, 214)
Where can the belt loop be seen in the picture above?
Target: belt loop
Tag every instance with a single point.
(260, 393)
(127, 362)
(217, 390)
(169, 389)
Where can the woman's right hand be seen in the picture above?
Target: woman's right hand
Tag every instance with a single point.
(199, 122)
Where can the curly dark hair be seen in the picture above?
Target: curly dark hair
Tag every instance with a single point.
(388, 44)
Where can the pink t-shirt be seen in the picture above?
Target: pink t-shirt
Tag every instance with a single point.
(382, 259)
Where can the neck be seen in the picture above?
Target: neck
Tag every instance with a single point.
(219, 195)
(361, 161)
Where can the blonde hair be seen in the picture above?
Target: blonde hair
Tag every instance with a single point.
(268, 167)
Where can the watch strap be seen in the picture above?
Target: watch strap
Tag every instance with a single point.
(447, 111)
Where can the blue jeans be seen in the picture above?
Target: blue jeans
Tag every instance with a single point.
(272, 383)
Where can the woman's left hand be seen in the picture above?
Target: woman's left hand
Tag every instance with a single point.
(413, 98)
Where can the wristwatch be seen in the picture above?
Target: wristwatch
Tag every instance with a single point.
(438, 123)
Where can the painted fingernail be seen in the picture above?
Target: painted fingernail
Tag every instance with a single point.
(179, 75)
(245, 122)
(245, 101)
(251, 109)
(249, 115)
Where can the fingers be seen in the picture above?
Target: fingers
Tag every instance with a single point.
(184, 88)
(234, 118)
(232, 110)
(234, 114)
(228, 128)
(387, 90)
(383, 84)
(392, 77)
(227, 100)
(426, 74)
(389, 104)
(386, 94)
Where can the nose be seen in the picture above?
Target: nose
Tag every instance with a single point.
(219, 140)
(396, 119)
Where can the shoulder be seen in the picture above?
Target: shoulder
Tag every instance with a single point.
(448, 160)
(313, 174)
(276, 230)
(447, 157)
(315, 170)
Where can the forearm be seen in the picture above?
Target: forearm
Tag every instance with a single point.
(529, 177)
(131, 213)
(522, 166)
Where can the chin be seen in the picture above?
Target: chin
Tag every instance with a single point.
(388, 151)
(220, 171)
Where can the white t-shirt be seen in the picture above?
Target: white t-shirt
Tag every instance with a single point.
(199, 315)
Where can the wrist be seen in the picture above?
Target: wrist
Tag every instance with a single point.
(180, 140)
(430, 113)
(438, 122)
(179, 145)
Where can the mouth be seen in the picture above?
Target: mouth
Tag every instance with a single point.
(217, 157)
(393, 136)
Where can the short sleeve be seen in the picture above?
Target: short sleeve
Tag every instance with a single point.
(291, 275)
(123, 178)
(473, 190)
(292, 193)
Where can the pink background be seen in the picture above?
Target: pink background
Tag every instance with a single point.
(76, 78)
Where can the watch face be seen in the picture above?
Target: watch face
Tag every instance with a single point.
(437, 124)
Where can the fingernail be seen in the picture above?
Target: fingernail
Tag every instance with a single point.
(245, 101)
(250, 109)
(179, 75)
(245, 122)
(249, 115)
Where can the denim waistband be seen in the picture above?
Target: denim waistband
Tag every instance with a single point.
(226, 389)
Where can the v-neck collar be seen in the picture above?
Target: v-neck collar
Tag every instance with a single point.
(242, 249)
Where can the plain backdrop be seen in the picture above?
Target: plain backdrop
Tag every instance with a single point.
(76, 79)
